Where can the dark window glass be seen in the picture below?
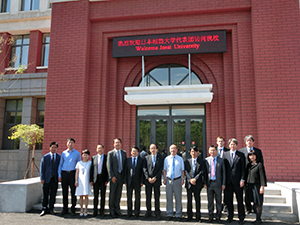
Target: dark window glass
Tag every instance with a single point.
(45, 49)
(40, 117)
(5, 6)
(28, 5)
(19, 51)
(169, 74)
(13, 116)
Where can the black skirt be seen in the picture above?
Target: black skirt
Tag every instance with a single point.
(254, 195)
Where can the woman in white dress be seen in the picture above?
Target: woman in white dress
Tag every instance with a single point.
(82, 180)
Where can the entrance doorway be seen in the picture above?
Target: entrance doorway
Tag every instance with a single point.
(182, 125)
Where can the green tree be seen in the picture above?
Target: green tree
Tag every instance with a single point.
(31, 135)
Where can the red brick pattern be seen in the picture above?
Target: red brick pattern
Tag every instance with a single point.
(254, 83)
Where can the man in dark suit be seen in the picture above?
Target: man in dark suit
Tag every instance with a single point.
(49, 178)
(99, 178)
(116, 159)
(195, 173)
(235, 168)
(249, 141)
(134, 180)
(216, 180)
(221, 149)
(153, 166)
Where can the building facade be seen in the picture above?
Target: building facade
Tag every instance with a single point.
(180, 96)
(26, 25)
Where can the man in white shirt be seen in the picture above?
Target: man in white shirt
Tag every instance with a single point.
(174, 179)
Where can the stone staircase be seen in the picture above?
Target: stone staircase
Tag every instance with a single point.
(274, 208)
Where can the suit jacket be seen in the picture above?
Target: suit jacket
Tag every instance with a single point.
(224, 150)
(94, 169)
(220, 171)
(139, 175)
(113, 164)
(235, 172)
(258, 152)
(143, 154)
(200, 173)
(255, 174)
(150, 171)
(46, 167)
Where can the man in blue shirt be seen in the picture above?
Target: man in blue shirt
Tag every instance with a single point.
(174, 179)
(66, 174)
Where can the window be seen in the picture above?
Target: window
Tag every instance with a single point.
(40, 116)
(45, 49)
(40, 112)
(28, 5)
(5, 6)
(169, 74)
(19, 51)
(13, 116)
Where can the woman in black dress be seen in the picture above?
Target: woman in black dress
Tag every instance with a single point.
(256, 181)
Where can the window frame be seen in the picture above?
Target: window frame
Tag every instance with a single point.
(23, 3)
(5, 7)
(45, 45)
(15, 46)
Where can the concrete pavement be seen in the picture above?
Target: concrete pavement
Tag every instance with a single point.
(32, 218)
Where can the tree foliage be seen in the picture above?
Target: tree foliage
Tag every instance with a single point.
(30, 134)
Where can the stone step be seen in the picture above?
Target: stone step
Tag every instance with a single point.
(274, 207)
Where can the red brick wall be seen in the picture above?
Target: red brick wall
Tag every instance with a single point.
(85, 86)
(35, 48)
(5, 51)
(275, 28)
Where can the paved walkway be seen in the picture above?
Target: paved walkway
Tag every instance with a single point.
(32, 218)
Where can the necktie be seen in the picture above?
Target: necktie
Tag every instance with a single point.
(120, 161)
(232, 154)
(99, 165)
(133, 166)
(173, 168)
(153, 162)
(213, 174)
(194, 167)
(52, 161)
(220, 152)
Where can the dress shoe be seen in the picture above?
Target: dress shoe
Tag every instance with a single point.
(43, 213)
(51, 212)
(241, 221)
(188, 219)
(169, 218)
(148, 214)
(129, 215)
(113, 215)
(73, 211)
(218, 221)
(64, 212)
(210, 220)
(102, 214)
(178, 219)
(119, 214)
(158, 217)
(136, 216)
(200, 220)
(229, 220)
(94, 214)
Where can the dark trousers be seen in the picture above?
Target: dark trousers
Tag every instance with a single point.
(115, 194)
(214, 192)
(197, 197)
(49, 188)
(136, 186)
(99, 186)
(156, 197)
(247, 200)
(230, 189)
(68, 179)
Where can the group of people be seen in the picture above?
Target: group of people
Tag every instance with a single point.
(225, 170)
